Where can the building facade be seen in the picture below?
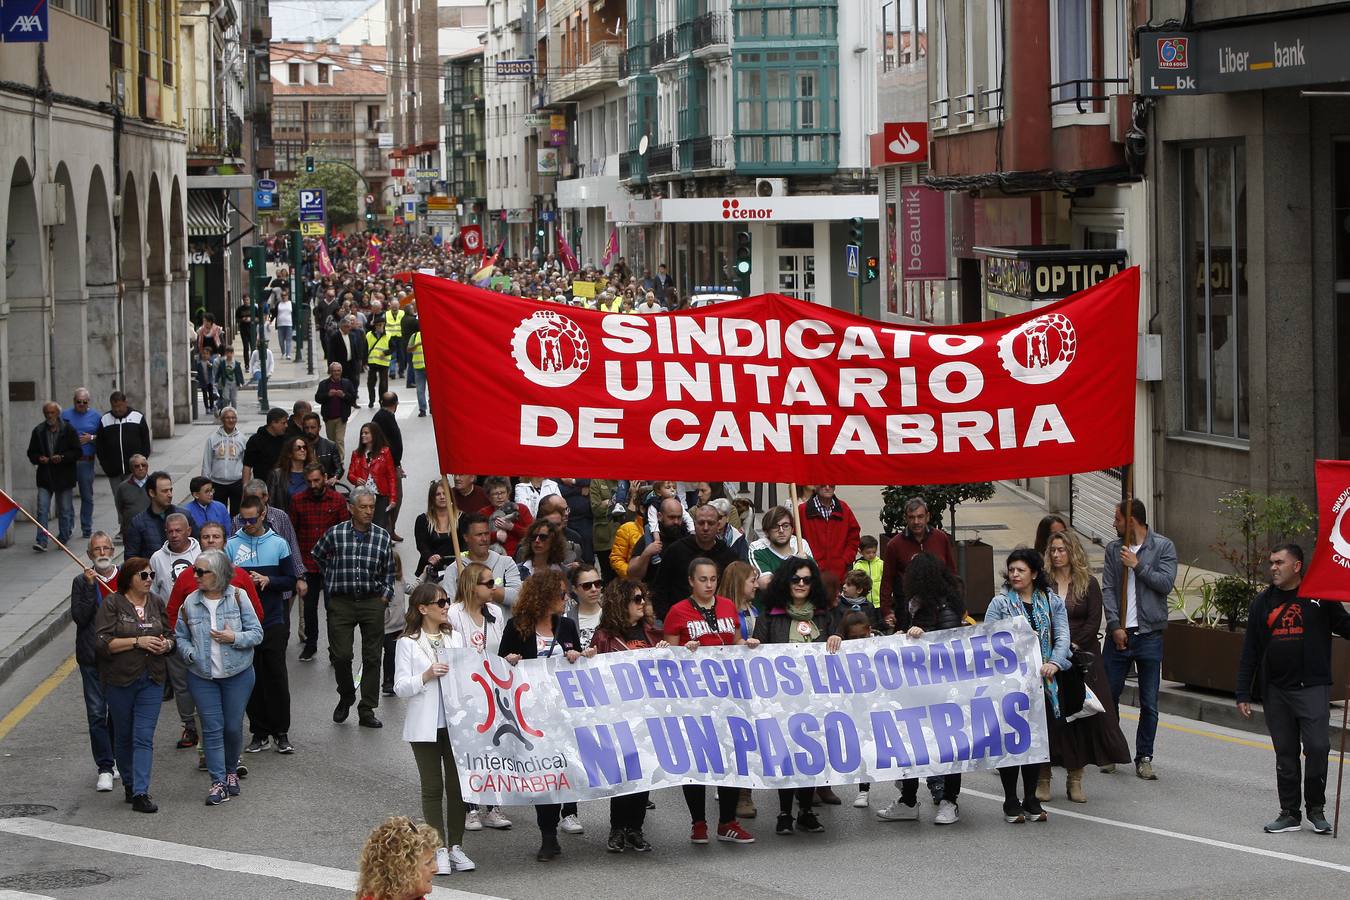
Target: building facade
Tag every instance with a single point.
(92, 163)
(515, 77)
(464, 141)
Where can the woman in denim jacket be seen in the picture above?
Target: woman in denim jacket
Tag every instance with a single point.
(217, 630)
(1027, 593)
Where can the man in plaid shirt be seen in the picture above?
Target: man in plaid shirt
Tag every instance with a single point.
(313, 512)
(357, 561)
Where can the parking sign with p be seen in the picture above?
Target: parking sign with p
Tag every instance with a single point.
(311, 206)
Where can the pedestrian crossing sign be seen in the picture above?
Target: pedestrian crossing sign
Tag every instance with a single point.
(852, 257)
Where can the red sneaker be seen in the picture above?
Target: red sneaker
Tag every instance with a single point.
(699, 834)
(732, 832)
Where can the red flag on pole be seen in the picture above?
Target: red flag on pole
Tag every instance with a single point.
(471, 239)
(569, 259)
(1328, 574)
(611, 249)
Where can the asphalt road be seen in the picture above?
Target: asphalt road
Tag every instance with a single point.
(297, 830)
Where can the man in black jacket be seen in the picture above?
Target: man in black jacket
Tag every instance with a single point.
(264, 446)
(384, 417)
(348, 347)
(336, 396)
(55, 449)
(1289, 643)
(122, 433)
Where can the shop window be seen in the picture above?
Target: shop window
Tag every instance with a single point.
(1214, 294)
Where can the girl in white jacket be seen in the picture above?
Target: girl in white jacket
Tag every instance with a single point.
(421, 662)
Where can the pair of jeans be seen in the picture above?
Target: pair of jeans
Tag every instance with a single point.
(134, 710)
(442, 803)
(696, 798)
(1300, 716)
(96, 712)
(347, 613)
(229, 395)
(177, 671)
(417, 378)
(284, 338)
(1146, 651)
(397, 359)
(221, 703)
(269, 705)
(84, 477)
(310, 614)
(65, 511)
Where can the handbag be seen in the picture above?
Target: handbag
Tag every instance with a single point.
(1091, 706)
(1072, 692)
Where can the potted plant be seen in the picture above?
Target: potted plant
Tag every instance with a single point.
(974, 558)
(1204, 647)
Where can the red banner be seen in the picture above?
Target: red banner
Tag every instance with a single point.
(1327, 576)
(775, 389)
(471, 239)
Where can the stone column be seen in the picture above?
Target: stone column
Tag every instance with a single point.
(160, 345)
(71, 346)
(136, 344)
(180, 368)
(101, 337)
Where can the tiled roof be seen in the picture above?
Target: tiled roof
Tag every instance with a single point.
(357, 69)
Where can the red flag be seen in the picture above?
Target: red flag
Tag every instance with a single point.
(569, 259)
(8, 511)
(611, 249)
(325, 264)
(471, 239)
(772, 384)
(1327, 576)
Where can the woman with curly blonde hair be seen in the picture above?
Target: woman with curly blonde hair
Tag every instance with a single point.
(398, 861)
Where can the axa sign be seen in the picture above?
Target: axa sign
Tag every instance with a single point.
(904, 142)
(24, 21)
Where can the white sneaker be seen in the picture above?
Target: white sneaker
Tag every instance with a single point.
(116, 774)
(899, 812)
(571, 825)
(495, 819)
(948, 813)
(472, 822)
(460, 861)
(105, 782)
(443, 862)
(861, 801)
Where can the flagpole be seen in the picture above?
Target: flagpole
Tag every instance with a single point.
(454, 521)
(1127, 540)
(1340, 770)
(64, 549)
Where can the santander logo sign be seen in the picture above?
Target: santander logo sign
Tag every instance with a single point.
(904, 142)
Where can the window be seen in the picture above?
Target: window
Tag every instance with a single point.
(1213, 209)
(787, 108)
(323, 73)
(372, 116)
(292, 73)
(168, 39)
(85, 9)
(1088, 55)
(776, 19)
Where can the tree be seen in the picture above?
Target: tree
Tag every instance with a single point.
(338, 183)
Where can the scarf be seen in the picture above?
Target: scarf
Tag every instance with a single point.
(804, 629)
(1041, 621)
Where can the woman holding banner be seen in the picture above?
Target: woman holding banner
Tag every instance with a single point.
(537, 629)
(796, 611)
(626, 624)
(421, 660)
(1027, 593)
(704, 619)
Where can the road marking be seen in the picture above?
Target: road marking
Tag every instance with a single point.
(1179, 836)
(1200, 732)
(221, 860)
(19, 895)
(29, 703)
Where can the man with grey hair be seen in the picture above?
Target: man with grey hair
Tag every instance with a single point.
(54, 448)
(223, 459)
(918, 537)
(348, 350)
(86, 596)
(84, 419)
(179, 552)
(356, 558)
(129, 497)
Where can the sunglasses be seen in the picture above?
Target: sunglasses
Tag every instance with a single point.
(588, 585)
(145, 574)
(491, 582)
(542, 536)
(201, 573)
(640, 601)
(249, 520)
(442, 603)
(801, 579)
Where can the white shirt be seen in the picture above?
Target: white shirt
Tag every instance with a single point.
(283, 310)
(484, 638)
(587, 625)
(530, 495)
(1131, 607)
(217, 657)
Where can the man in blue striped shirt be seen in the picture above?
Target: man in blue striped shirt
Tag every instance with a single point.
(357, 561)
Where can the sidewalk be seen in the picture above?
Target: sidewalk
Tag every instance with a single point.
(35, 605)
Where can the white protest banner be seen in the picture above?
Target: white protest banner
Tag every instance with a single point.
(778, 716)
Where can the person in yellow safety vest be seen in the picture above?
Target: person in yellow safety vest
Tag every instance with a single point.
(377, 361)
(610, 303)
(417, 367)
(393, 326)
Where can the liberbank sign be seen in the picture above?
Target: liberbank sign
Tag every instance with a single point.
(1272, 53)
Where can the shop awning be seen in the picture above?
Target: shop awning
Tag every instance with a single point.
(206, 214)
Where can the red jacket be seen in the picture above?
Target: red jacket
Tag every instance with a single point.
(517, 531)
(381, 469)
(187, 583)
(604, 642)
(901, 549)
(833, 540)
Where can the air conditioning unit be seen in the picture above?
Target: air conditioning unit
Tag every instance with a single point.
(770, 187)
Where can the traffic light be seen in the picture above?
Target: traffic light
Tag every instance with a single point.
(871, 268)
(370, 217)
(309, 164)
(255, 260)
(855, 231)
(742, 251)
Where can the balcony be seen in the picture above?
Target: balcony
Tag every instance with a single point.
(632, 168)
(661, 160)
(709, 30)
(703, 153)
(211, 134)
(636, 60)
(671, 45)
(597, 72)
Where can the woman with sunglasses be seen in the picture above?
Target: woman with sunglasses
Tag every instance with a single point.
(372, 465)
(421, 661)
(542, 549)
(287, 477)
(626, 624)
(432, 531)
(132, 639)
(703, 619)
(538, 630)
(217, 630)
(797, 611)
(587, 610)
(480, 622)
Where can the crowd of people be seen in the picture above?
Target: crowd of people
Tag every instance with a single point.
(523, 567)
